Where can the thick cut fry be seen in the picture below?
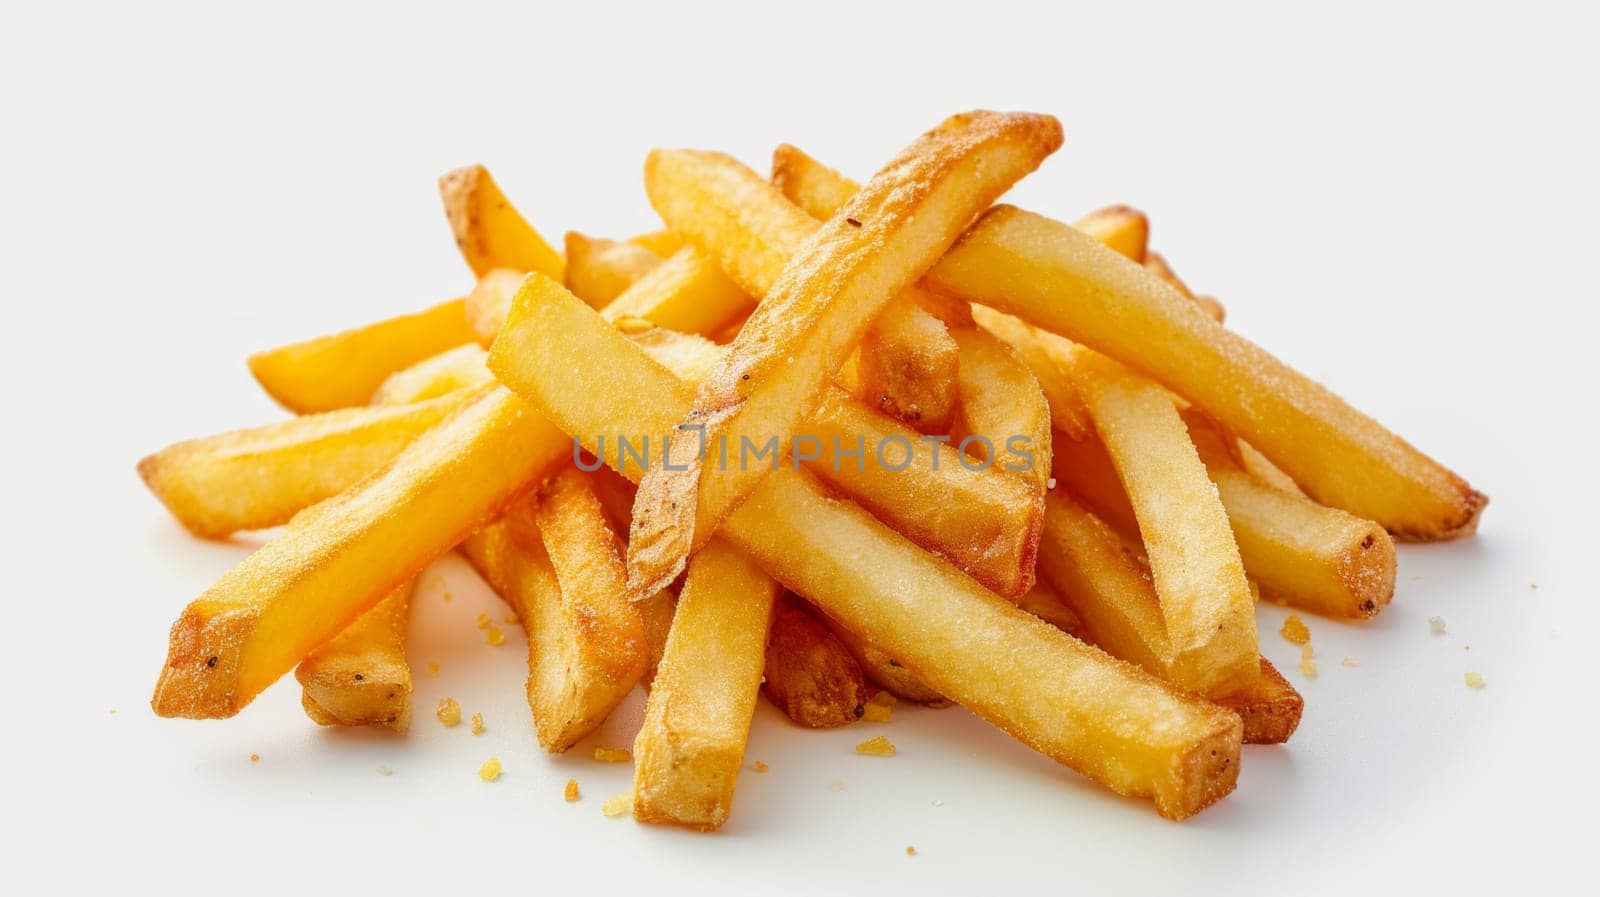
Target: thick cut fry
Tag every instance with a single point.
(616, 497)
(344, 369)
(1064, 281)
(696, 722)
(444, 373)
(687, 292)
(816, 311)
(884, 670)
(1044, 354)
(1122, 228)
(1005, 419)
(1103, 718)
(261, 477)
(342, 556)
(487, 304)
(360, 676)
(810, 675)
(489, 231)
(1205, 599)
(1043, 602)
(1156, 264)
(907, 368)
(1111, 594)
(664, 243)
(598, 271)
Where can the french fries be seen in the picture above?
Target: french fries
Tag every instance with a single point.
(1205, 599)
(810, 675)
(884, 670)
(262, 477)
(907, 368)
(818, 308)
(487, 304)
(345, 369)
(360, 677)
(489, 231)
(444, 373)
(688, 292)
(1062, 280)
(696, 722)
(1106, 719)
(1005, 417)
(664, 243)
(1123, 229)
(598, 271)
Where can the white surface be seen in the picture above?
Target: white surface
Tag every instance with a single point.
(1395, 203)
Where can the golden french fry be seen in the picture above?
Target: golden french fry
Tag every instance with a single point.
(1043, 602)
(344, 369)
(598, 271)
(1122, 228)
(430, 378)
(487, 304)
(697, 719)
(360, 677)
(489, 231)
(263, 476)
(687, 292)
(816, 311)
(1199, 576)
(884, 670)
(1004, 415)
(1044, 355)
(1156, 264)
(907, 368)
(342, 556)
(1103, 718)
(810, 675)
(664, 243)
(1058, 278)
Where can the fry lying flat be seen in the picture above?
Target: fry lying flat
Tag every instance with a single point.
(806, 325)
(1104, 718)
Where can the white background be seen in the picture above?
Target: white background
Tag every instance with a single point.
(1396, 200)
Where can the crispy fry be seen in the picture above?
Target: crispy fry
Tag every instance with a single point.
(487, 304)
(664, 243)
(1205, 600)
(446, 372)
(810, 675)
(696, 722)
(1110, 592)
(1104, 718)
(489, 231)
(1156, 264)
(907, 368)
(883, 669)
(1005, 418)
(598, 271)
(342, 556)
(687, 292)
(1122, 228)
(1062, 280)
(616, 497)
(816, 311)
(1044, 355)
(344, 369)
(360, 676)
(261, 477)
(1043, 602)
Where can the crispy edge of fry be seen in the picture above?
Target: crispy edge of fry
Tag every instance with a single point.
(263, 476)
(1043, 602)
(687, 292)
(360, 677)
(1124, 229)
(1156, 264)
(817, 310)
(489, 300)
(810, 675)
(884, 671)
(342, 556)
(1103, 718)
(1001, 402)
(465, 365)
(1064, 281)
(344, 369)
(489, 230)
(1199, 576)
(1109, 589)
(600, 270)
(1043, 353)
(616, 497)
(697, 718)
(907, 368)
(664, 243)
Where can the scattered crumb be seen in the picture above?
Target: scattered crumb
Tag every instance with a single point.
(449, 712)
(570, 793)
(912, 851)
(483, 621)
(477, 724)
(761, 767)
(885, 699)
(1308, 667)
(490, 770)
(836, 785)
(255, 758)
(1533, 586)
(612, 755)
(1294, 629)
(877, 713)
(1473, 679)
(1436, 625)
(1050, 483)
(433, 668)
(617, 805)
(496, 635)
(880, 746)
(385, 770)
(1349, 662)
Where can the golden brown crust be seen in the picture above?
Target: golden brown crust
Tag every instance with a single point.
(810, 675)
(1270, 707)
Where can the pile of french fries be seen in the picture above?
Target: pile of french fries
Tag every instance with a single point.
(999, 461)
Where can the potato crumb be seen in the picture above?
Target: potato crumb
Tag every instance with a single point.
(1473, 679)
(1436, 625)
(910, 850)
(496, 635)
(1308, 667)
(449, 712)
(433, 668)
(477, 724)
(617, 805)
(483, 621)
(490, 770)
(255, 758)
(885, 699)
(632, 325)
(876, 713)
(1294, 630)
(836, 785)
(1533, 586)
(385, 770)
(761, 767)
(612, 755)
(1349, 662)
(571, 792)
(876, 747)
